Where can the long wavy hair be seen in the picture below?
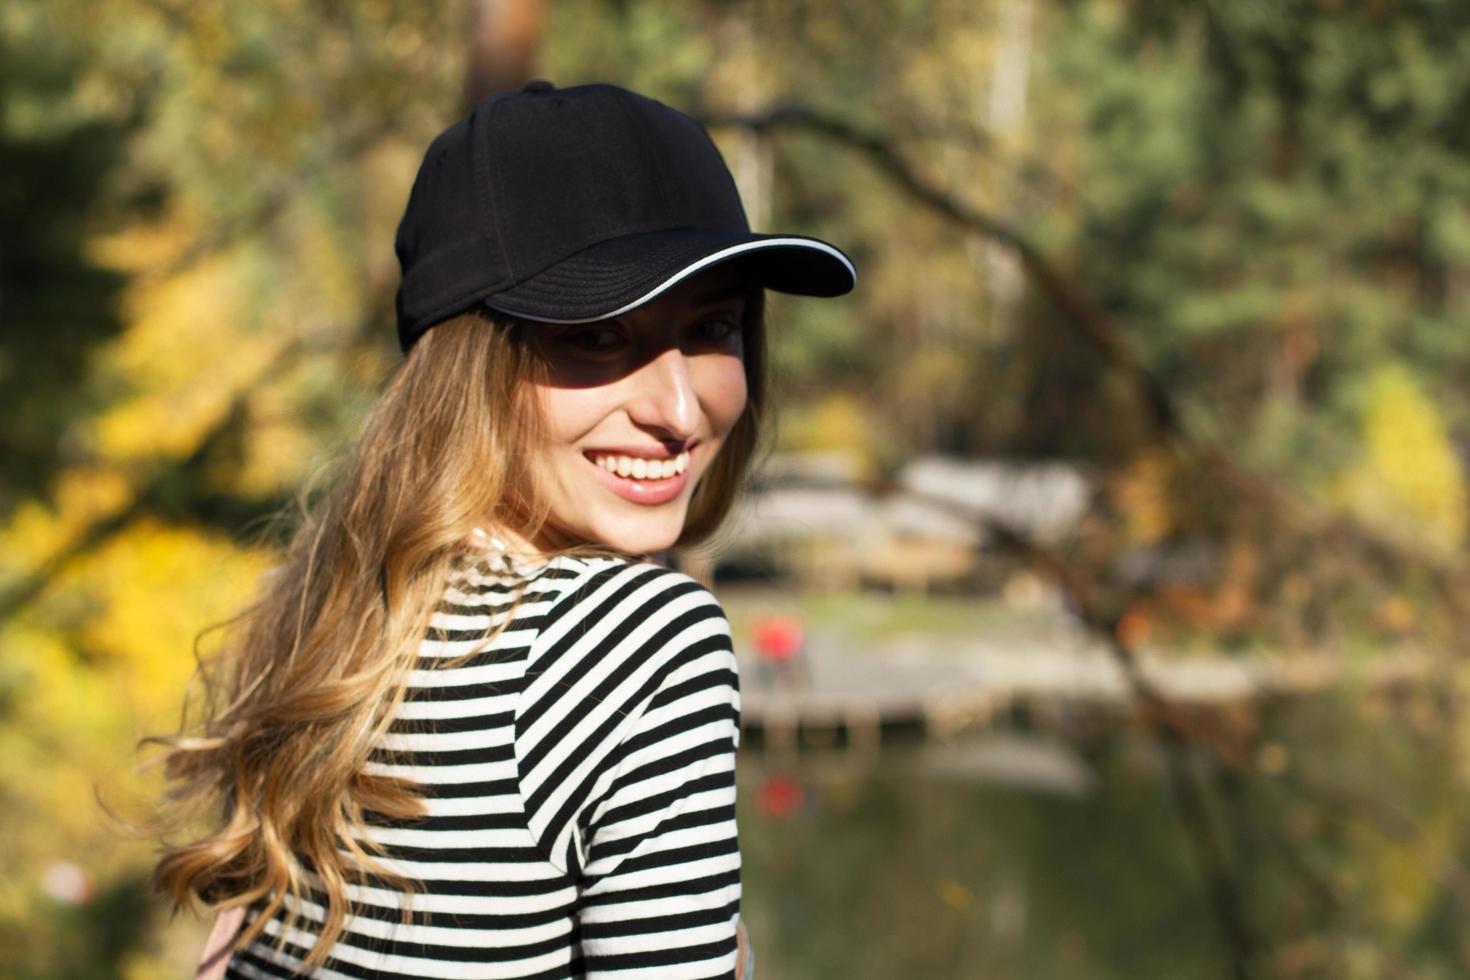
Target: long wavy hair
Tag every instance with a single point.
(272, 749)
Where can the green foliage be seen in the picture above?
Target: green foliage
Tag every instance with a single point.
(1274, 201)
(56, 301)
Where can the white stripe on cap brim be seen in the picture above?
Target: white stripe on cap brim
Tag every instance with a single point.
(689, 270)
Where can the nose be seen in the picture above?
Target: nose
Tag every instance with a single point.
(663, 398)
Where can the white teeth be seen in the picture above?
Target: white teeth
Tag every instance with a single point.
(638, 468)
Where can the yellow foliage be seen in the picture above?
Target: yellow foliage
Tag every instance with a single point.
(64, 723)
(955, 895)
(151, 590)
(838, 421)
(142, 248)
(83, 496)
(277, 457)
(187, 353)
(1405, 872)
(178, 323)
(1409, 479)
(1142, 492)
(99, 660)
(331, 291)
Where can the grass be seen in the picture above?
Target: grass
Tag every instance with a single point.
(862, 618)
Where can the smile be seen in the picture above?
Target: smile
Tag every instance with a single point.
(641, 480)
(637, 468)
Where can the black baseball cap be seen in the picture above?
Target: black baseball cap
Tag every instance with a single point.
(578, 204)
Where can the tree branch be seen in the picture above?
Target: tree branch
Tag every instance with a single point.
(1093, 324)
(1105, 335)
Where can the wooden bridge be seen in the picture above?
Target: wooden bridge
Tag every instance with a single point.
(937, 688)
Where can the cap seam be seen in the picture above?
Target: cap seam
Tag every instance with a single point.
(490, 178)
(660, 178)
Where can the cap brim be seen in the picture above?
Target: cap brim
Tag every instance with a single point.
(610, 278)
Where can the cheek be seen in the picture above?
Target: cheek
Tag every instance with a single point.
(722, 391)
(570, 413)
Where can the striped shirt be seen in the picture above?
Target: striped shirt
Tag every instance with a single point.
(579, 777)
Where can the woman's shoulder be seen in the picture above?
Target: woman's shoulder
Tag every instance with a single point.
(627, 626)
(635, 661)
(616, 592)
(569, 597)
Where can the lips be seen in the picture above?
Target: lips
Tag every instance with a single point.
(648, 490)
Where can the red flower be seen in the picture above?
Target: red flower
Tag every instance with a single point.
(780, 796)
(778, 637)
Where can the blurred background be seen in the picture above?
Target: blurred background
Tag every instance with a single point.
(1102, 604)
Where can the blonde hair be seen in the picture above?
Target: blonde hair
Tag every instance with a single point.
(309, 676)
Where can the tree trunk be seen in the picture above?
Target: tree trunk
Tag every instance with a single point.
(504, 39)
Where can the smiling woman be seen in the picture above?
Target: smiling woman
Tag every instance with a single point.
(473, 728)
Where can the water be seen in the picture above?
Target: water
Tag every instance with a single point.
(1049, 855)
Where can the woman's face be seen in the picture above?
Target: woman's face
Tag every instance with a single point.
(636, 408)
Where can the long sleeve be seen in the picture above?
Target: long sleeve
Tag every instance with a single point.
(626, 742)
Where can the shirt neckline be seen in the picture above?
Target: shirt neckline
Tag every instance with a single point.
(495, 564)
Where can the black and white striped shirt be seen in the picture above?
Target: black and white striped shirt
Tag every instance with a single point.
(579, 775)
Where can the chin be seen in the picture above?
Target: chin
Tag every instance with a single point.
(634, 543)
(645, 536)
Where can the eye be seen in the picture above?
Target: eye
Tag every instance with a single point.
(717, 331)
(592, 340)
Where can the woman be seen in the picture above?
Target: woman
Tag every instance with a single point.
(473, 729)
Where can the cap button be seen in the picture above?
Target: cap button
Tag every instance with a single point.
(537, 85)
